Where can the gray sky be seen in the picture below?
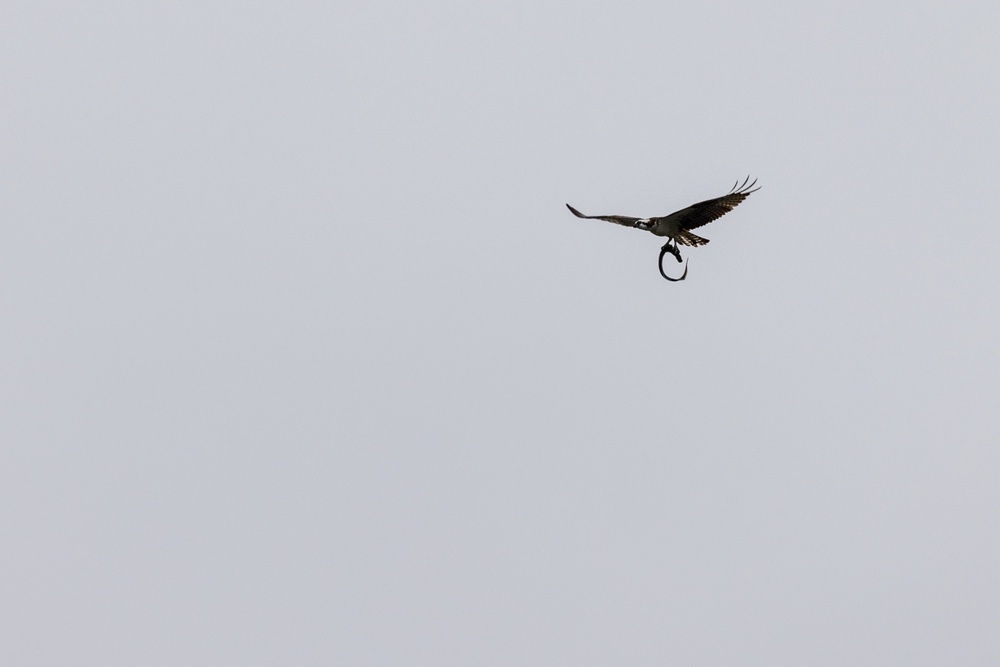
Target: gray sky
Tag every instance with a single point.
(305, 362)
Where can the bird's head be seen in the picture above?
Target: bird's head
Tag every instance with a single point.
(644, 223)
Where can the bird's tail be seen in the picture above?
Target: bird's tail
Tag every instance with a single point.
(685, 237)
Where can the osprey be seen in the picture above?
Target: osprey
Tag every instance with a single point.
(678, 225)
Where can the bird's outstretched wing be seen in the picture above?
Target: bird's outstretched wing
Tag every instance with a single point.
(617, 219)
(704, 212)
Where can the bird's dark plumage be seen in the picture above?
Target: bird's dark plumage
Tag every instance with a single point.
(617, 219)
(678, 224)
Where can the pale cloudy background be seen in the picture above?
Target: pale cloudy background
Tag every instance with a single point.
(304, 361)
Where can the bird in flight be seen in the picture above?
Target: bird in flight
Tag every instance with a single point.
(678, 225)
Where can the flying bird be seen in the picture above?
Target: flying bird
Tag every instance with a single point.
(678, 225)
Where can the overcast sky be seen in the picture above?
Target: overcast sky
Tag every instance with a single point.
(305, 362)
